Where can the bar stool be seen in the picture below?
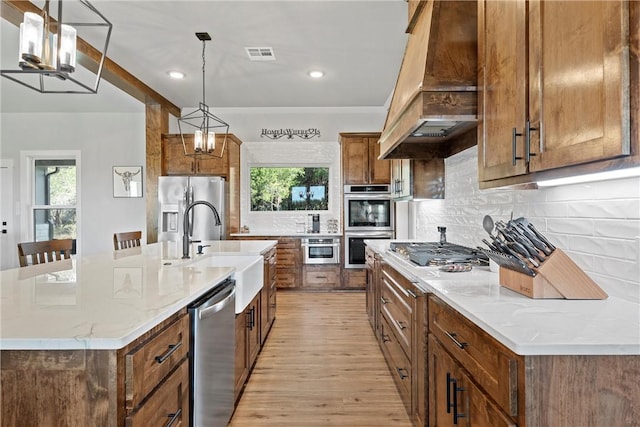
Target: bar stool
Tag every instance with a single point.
(31, 253)
(127, 239)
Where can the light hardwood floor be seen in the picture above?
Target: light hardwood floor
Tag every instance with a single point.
(321, 366)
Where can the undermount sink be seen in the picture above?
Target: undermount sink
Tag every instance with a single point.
(248, 275)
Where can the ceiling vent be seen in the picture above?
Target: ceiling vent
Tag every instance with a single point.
(260, 53)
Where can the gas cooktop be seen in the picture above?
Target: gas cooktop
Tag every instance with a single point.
(436, 253)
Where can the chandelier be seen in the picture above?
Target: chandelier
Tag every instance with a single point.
(47, 47)
(204, 122)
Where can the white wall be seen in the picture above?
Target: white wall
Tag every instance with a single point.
(104, 140)
(597, 224)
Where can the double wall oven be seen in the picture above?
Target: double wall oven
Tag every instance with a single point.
(368, 214)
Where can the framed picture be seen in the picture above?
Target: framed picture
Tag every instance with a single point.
(127, 181)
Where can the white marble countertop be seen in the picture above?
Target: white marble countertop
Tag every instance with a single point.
(274, 234)
(106, 301)
(529, 326)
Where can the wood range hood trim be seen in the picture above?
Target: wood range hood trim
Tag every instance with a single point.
(437, 85)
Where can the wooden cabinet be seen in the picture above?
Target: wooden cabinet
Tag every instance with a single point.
(372, 289)
(491, 365)
(175, 162)
(145, 383)
(288, 262)
(321, 277)
(248, 342)
(403, 339)
(558, 86)
(354, 278)
(268, 300)
(455, 399)
(417, 179)
(360, 164)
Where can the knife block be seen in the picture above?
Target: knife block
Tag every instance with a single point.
(557, 277)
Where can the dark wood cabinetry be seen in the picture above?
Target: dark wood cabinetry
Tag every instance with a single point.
(417, 179)
(360, 164)
(268, 303)
(402, 338)
(248, 342)
(562, 76)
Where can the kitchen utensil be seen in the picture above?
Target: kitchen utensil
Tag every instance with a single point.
(539, 235)
(522, 251)
(510, 262)
(456, 268)
(524, 241)
(487, 224)
(539, 244)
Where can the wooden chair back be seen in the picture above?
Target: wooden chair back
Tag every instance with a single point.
(31, 253)
(127, 239)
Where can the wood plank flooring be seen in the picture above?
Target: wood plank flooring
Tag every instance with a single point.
(320, 366)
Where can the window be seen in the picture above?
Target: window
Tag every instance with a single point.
(289, 188)
(55, 199)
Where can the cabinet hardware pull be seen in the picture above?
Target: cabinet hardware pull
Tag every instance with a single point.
(385, 338)
(410, 292)
(384, 301)
(527, 142)
(456, 414)
(514, 135)
(449, 380)
(454, 338)
(401, 374)
(174, 417)
(172, 349)
(401, 325)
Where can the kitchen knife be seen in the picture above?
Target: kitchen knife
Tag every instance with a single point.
(539, 244)
(541, 237)
(522, 251)
(524, 241)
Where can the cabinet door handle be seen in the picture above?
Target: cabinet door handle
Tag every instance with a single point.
(410, 292)
(402, 373)
(172, 349)
(384, 301)
(514, 135)
(174, 417)
(385, 338)
(527, 142)
(454, 338)
(456, 414)
(401, 325)
(449, 380)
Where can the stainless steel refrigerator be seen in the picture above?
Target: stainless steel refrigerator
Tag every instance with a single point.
(174, 195)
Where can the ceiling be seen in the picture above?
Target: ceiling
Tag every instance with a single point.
(358, 44)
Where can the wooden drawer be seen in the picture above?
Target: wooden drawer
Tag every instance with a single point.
(287, 258)
(491, 364)
(355, 278)
(399, 364)
(288, 244)
(168, 402)
(287, 278)
(396, 307)
(147, 365)
(321, 277)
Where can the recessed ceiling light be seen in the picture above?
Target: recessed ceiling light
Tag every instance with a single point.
(176, 75)
(316, 74)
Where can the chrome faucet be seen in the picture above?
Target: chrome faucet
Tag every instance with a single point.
(185, 221)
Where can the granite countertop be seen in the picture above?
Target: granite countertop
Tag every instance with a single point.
(106, 301)
(528, 326)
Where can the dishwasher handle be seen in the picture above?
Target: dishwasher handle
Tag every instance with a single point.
(218, 302)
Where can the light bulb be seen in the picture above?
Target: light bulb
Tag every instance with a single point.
(211, 141)
(68, 49)
(32, 30)
(197, 141)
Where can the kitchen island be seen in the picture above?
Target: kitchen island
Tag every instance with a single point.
(72, 332)
(512, 360)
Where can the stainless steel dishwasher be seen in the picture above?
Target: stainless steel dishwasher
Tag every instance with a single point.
(212, 356)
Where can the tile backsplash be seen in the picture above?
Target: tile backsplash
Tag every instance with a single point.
(597, 223)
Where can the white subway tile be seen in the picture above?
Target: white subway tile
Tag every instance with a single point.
(571, 226)
(622, 228)
(629, 208)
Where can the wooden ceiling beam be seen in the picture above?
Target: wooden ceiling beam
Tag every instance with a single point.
(89, 57)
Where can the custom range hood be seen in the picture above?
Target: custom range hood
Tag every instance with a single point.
(433, 112)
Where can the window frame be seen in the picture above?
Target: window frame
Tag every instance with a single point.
(28, 193)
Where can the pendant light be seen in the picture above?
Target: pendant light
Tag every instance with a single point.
(205, 123)
(47, 47)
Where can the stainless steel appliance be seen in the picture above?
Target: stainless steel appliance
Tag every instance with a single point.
(368, 214)
(321, 250)
(175, 193)
(437, 253)
(354, 247)
(212, 356)
(368, 208)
